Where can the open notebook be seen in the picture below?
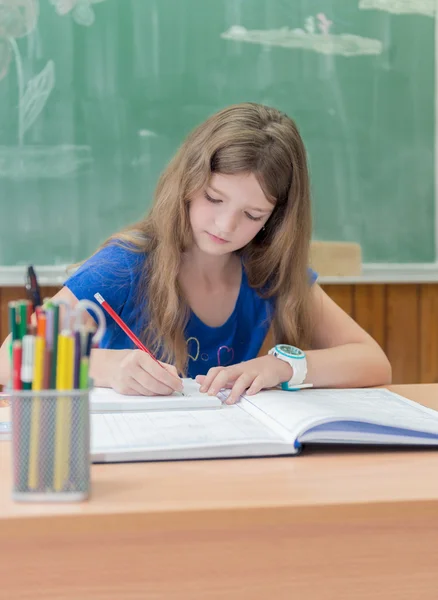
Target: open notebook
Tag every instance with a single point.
(270, 423)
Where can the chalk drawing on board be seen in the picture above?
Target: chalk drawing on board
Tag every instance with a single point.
(320, 22)
(146, 133)
(147, 136)
(81, 10)
(343, 44)
(399, 7)
(42, 162)
(18, 18)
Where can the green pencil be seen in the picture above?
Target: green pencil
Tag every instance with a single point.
(23, 308)
(13, 325)
(83, 373)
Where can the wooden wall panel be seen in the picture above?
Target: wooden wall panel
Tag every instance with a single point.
(8, 294)
(370, 310)
(428, 344)
(343, 295)
(403, 332)
(267, 344)
(403, 319)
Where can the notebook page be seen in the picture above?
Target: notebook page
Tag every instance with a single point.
(158, 430)
(191, 388)
(108, 400)
(296, 411)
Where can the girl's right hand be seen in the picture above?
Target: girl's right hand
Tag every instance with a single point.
(135, 373)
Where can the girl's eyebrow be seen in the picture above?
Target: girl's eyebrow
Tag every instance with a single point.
(220, 193)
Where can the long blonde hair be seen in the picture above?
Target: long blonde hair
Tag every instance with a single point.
(243, 138)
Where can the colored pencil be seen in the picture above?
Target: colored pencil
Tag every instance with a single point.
(53, 373)
(125, 328)
(13, 323)
(60, 413)
(17, 354)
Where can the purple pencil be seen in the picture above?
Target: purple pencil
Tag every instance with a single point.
(77, 335)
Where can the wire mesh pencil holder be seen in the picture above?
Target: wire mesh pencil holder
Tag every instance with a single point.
(50, 445)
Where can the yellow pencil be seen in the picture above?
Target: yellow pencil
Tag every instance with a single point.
(60, 383)
(34, 447)
(69, 377)
(38, 365)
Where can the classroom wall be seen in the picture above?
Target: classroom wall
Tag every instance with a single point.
(402, 318)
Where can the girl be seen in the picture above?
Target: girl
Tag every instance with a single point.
(222, 256)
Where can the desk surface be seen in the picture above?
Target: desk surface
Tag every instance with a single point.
(327, 524)
(318, 477)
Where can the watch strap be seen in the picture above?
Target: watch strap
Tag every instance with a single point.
(299, 369)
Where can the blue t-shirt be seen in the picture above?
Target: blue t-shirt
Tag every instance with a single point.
(115, 273)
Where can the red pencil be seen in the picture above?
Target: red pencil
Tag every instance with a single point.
(17, 354)
(125, 328)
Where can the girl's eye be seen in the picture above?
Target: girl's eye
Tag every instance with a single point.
(253, 218)
(210, 199)
(218, 201)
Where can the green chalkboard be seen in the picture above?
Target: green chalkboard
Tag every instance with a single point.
(96, 95)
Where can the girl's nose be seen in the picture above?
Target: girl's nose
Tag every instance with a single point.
(227, 222)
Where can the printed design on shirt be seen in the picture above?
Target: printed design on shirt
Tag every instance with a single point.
(225, 356)
(193, 348)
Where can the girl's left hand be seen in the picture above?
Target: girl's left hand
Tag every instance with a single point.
(252, 375)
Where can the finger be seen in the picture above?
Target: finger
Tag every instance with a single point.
(201, 378)
(241, 384)
(129, 391)
(170, 368)
(230, 374)
(159, 373)
(212, 373)
(174, 372)
(256, 386)
(133, 388)
(148, 382)
(222, 380)
(138, 389)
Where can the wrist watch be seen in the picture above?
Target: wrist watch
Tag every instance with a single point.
(297, 360)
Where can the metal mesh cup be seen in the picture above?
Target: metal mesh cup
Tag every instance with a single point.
(50, 445)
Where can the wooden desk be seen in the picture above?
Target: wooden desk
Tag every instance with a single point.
(337, 525)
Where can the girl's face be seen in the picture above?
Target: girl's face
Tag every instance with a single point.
(228, 213)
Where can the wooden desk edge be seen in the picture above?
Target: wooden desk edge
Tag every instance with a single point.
(220, 518)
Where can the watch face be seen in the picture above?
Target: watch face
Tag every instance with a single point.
(290, 351)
